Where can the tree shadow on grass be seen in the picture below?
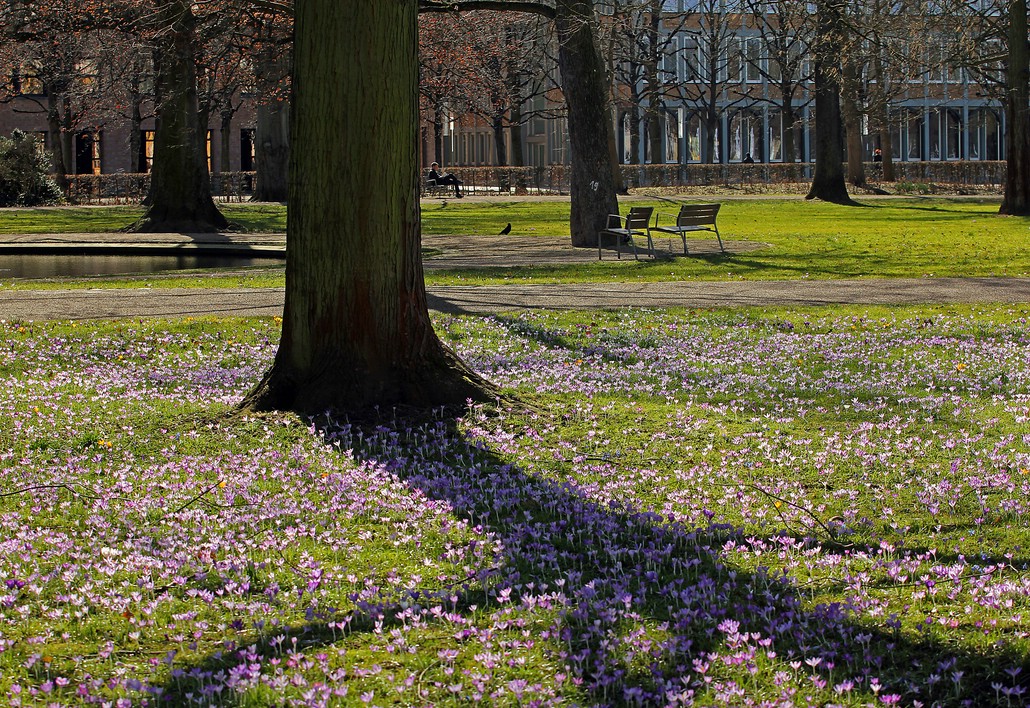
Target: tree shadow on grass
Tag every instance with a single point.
(652, 612)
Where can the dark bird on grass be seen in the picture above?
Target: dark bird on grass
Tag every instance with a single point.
(505, 231)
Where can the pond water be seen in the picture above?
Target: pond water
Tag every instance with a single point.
(49, 266)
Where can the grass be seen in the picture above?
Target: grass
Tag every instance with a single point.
(724, 507)
(104, 219)
(923, 237)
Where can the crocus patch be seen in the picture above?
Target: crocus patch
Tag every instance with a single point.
(715, 509)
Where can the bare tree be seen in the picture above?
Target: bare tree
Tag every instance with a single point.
(784, 29)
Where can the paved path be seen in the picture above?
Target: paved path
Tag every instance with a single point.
(470, 252)
(193, 302)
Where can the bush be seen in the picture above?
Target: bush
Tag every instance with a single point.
(25, 173)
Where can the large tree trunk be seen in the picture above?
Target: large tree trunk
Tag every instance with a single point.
(272, 151)
(593, 187)
(356, 329)
(828, 180)
(180, 186)
(1017, 131)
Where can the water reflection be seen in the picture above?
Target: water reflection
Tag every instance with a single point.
(49, 266)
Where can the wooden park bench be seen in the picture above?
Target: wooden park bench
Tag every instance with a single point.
(622, 230)
(692, 217)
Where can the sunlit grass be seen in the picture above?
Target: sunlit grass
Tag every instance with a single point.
(768, 239)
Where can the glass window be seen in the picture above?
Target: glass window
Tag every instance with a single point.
(753, 58)
(691, 68)
(731, 60)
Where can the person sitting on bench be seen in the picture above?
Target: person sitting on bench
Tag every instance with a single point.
(443, 178)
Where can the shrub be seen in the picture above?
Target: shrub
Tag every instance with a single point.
(25, 173)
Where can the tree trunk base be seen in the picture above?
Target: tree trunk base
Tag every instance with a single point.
(833, 194)
(446, 383)
(211, 221)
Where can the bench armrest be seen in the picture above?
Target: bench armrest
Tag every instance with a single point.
(614, 220)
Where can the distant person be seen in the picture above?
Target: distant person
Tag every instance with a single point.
(443, 178)
(877, 155)
(748, 160)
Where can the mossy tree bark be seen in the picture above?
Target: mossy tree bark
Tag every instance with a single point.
(828, 179)
(1017, 134)
(356, 329)
(593, 183)
(180, 186)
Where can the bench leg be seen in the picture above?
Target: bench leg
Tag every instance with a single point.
(600, 244)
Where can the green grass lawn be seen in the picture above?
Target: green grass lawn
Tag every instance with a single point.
(917, 237)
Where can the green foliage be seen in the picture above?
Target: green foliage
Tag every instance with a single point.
(25, 173)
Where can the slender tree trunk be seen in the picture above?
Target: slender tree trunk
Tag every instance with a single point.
(634, 134)
(135, 136)
(828, 180)
(853, 125)
(58, 152)
(887, 154)
(500, 149)
(787, 118)
(1017, 132)
(356, 329)
(518, 157)
(590, 126)
(225, 136)
(881, 116)
(437, 135)
(711, 130)
(272, 151)
(655, 112)
(180, 186)
(654, 134)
